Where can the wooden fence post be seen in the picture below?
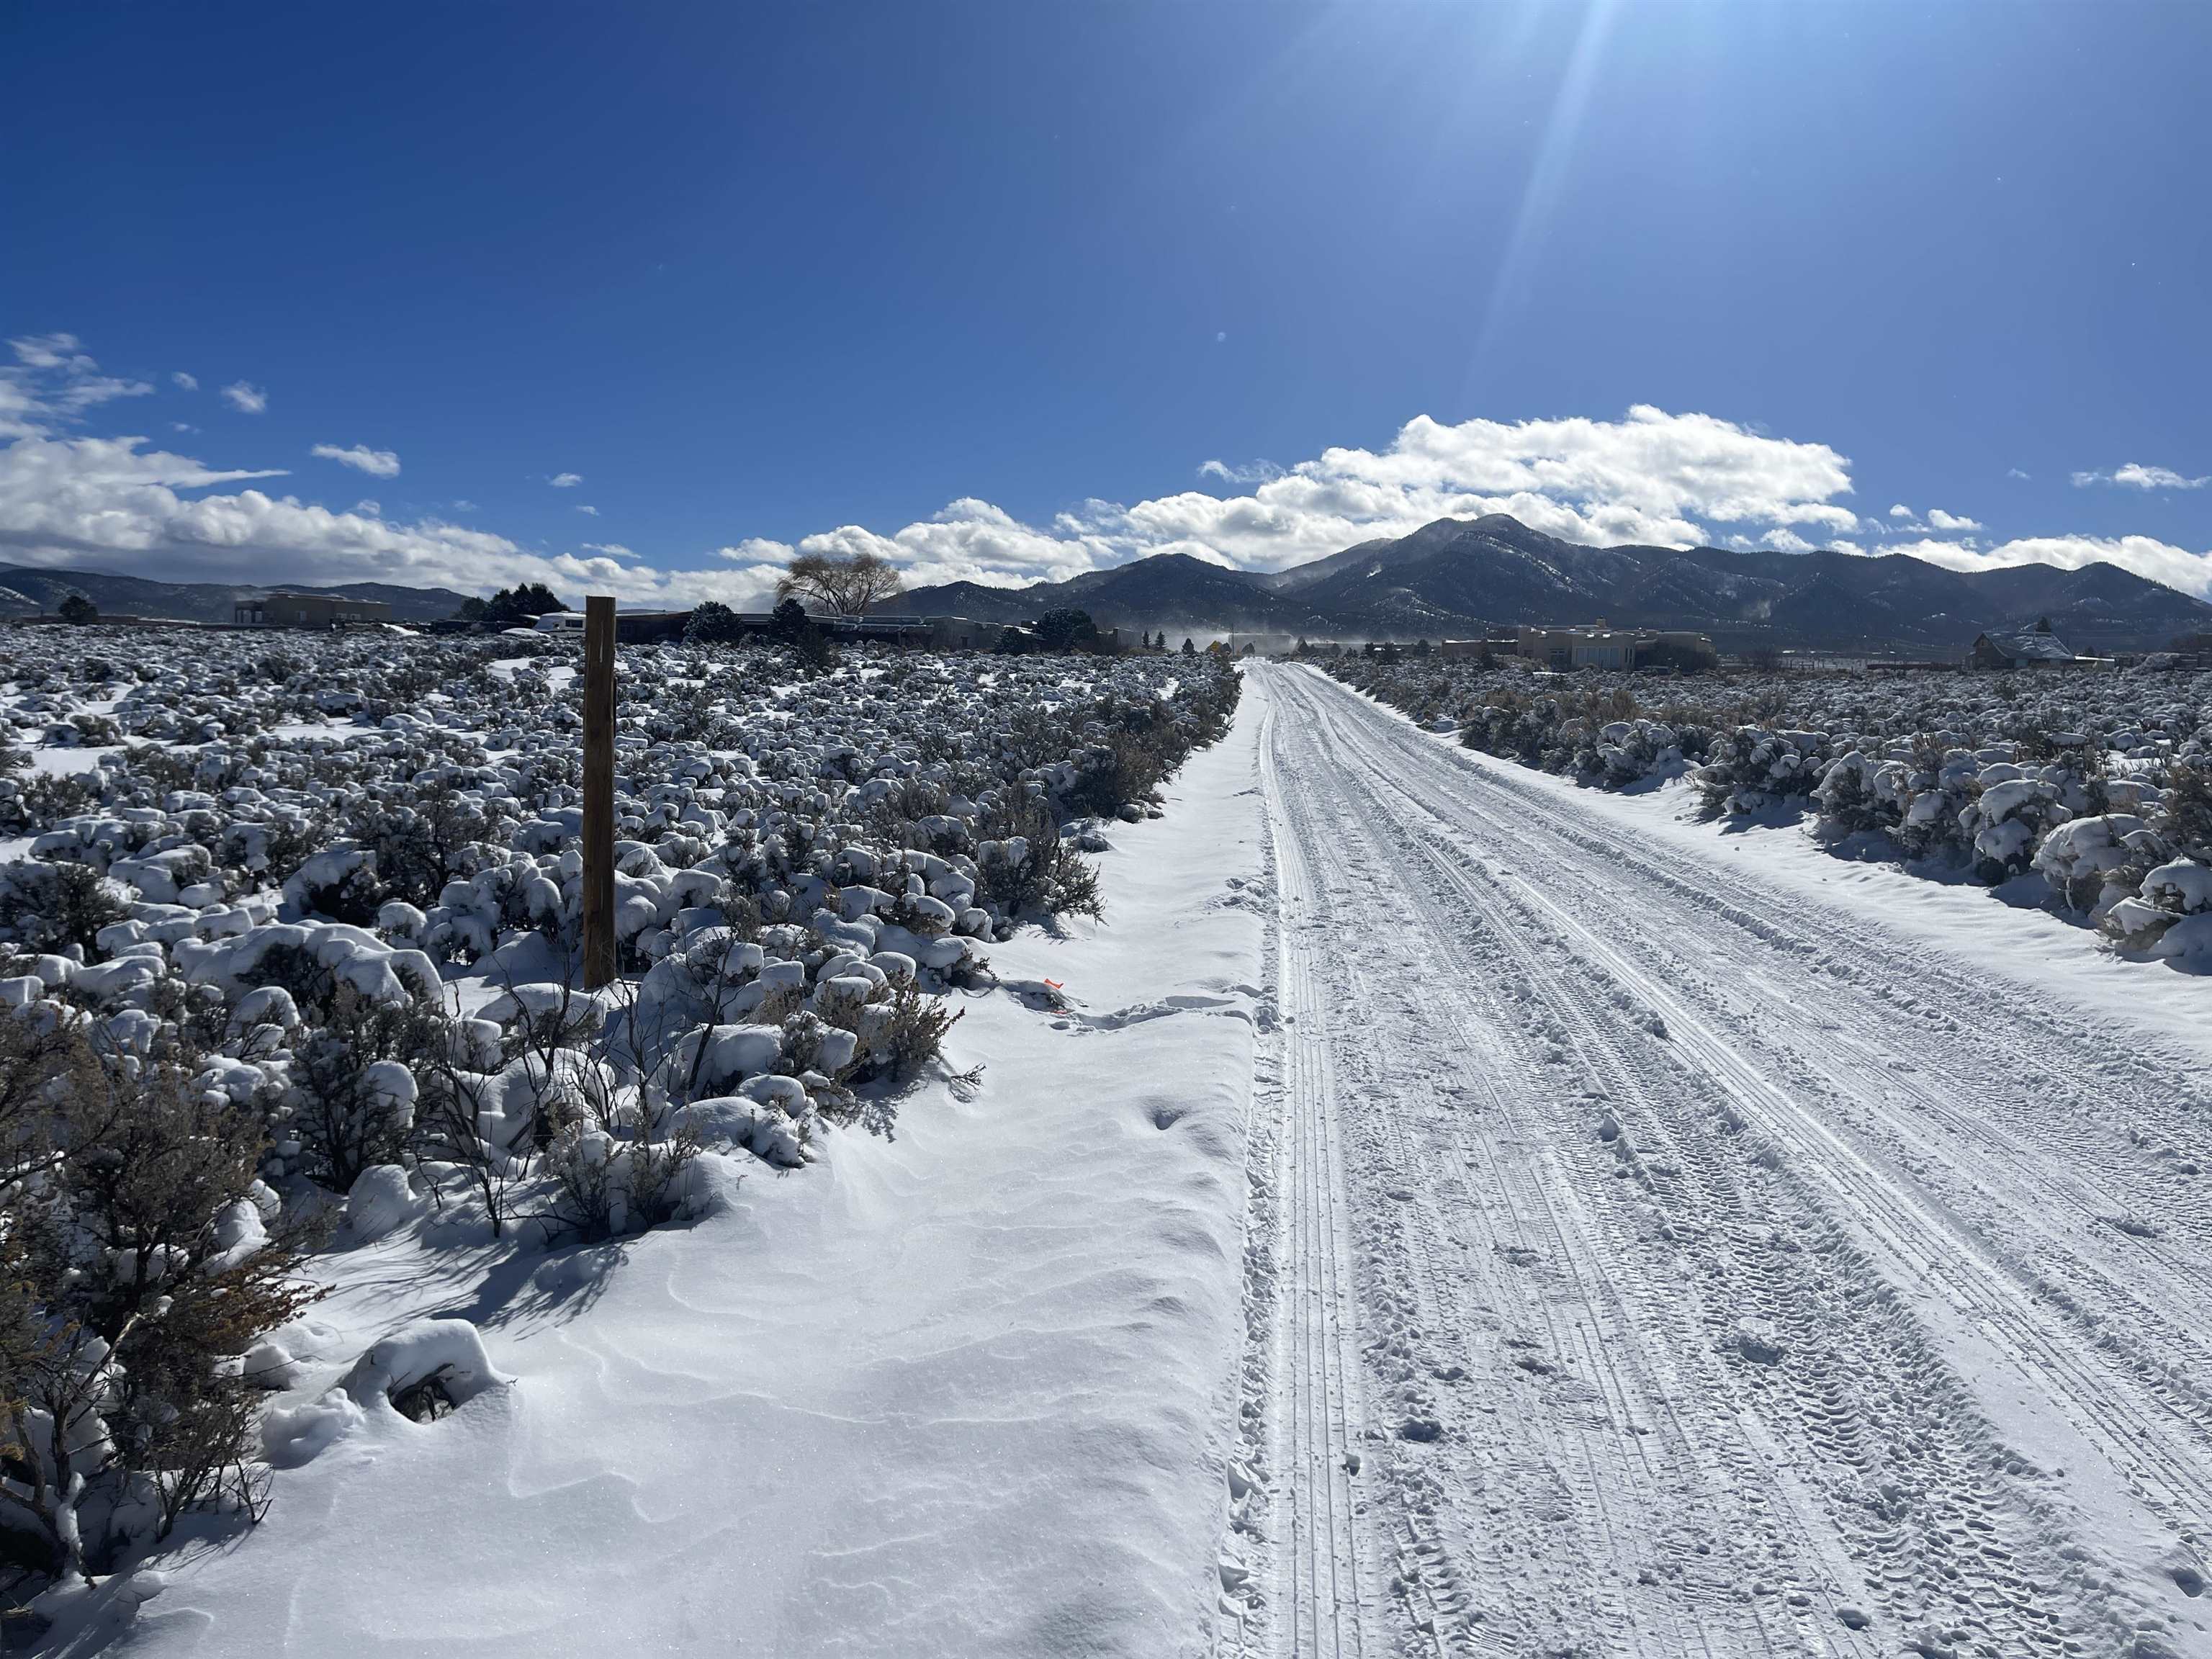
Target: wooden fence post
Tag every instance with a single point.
(598, 791)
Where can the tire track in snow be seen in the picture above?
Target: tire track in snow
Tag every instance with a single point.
(1989, 1272)
(1705, 1468)
(1551, 1500)
(1952, 1552)
(1322, 1609)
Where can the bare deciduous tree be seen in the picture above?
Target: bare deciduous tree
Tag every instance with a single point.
(851, 585)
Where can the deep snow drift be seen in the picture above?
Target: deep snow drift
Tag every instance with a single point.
(304, 930)
(963, 1391)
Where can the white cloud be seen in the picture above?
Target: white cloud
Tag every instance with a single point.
(465, 507)
(566, 480)
(53, 351)
(2176, 567)
(1652, 476)
(1900, 510)
(584, 506)
(2134, 475)
(369, 507)
(112, 504)
(377, 462)
(2014, 472)
(1251, 472)
(1950, 521)
(54, 380)
(187, 382)
(245, 398)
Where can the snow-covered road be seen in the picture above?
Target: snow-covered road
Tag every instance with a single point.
(1650, 1254)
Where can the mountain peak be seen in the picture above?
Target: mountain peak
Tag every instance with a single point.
(1461, 576)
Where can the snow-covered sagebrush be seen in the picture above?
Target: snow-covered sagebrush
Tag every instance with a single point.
(2098, 783)
(316, 899)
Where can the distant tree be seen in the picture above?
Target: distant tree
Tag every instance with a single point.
(1389, 651)
(1420, 647)
(1303, 646)
(1012, 642)
(849, 585)
(791, 627)
(711, 622)
(1189, 648)
(79, 610)
(1248, 647)
(519, 607)
(471, 609)
(2043, 624)
(1067, 628)
(788, 622)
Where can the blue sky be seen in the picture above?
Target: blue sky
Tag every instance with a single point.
(987, 286)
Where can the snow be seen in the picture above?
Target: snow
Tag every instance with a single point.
(1441, 1208)
(961, 1391)
(1672, 1240)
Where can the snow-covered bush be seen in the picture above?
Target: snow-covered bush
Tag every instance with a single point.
(140, 1265)
(294, 935)
(2090, 780)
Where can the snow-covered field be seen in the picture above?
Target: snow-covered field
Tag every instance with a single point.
(1437, 1208)
(2088, 792)
(957, 1391)
(312, 903)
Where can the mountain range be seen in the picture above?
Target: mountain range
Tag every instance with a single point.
(27, 590)
(1447, 579)
(1456, 577)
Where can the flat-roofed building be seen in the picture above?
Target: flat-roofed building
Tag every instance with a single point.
(307, 610)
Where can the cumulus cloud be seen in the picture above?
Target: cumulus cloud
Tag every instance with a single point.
(113, 504)
(245, 398)
(2134, 475)
(185, 382)
(565, 480)
(1652, 476)
(585, 507)
(377, 462)
(2146, 555)
(1900, 510)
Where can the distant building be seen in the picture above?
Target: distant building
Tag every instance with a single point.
(1561, 649)
(307, 610)
(1821, 662)
(2037, 648)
